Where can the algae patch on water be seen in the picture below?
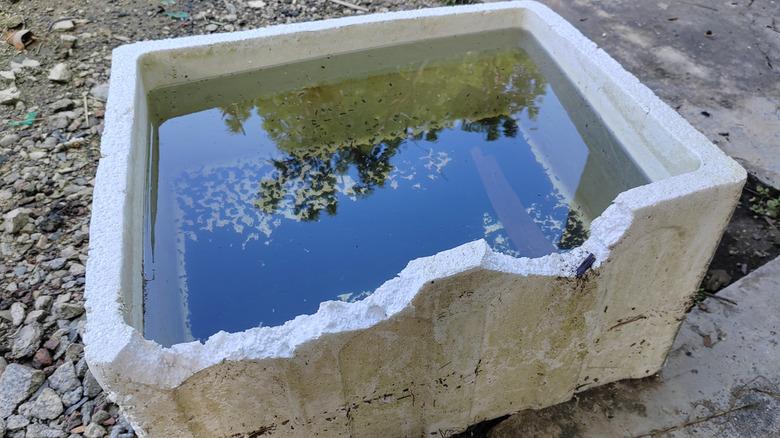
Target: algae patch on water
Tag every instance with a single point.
(272, 191)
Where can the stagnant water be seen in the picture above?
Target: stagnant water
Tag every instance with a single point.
(272, 191)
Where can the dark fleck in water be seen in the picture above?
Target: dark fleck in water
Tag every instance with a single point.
(272, 191)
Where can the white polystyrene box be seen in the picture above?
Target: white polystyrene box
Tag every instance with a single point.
(418, 356)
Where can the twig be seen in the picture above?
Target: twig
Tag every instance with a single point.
(748, 189)
(628, 321)
(349, 5)
(40, 44)
(696, 421)
(717, 297)
(700, 5)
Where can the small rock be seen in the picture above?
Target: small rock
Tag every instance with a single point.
(64, 378)
(8, 140)
(67, 310)
(42, 357)
(68, 41)
(26, 341)
(15, 220)
(55, 264)
(17, 314)
(72, 397)
(256, 4)
(86, 411)
(16, 422)
(30, 63)
(74, 351)
(43, 302)
(35, 316)
(100, 416)
(63, 26)
(717, 279)
(49, 144)
(47, 406)
(62, 105)
(77, 269)
(10, 95)
(52, 343)
(37, 155)
(16, 384)
(60, 73)
(43, 431)
(211, 27)
(81, 367)
(100, 92)
(7, 77)
(94, 430)
(69, 253)
(52, 222)
(91, 386)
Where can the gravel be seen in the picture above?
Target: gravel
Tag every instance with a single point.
(47, 166)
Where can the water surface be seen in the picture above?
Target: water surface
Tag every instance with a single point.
(272, 191)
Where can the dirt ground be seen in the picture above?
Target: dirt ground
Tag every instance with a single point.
(719, 70)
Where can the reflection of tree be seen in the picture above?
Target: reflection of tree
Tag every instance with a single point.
(493, 126)
(356, 126)
(235, 115)
(314, 178)
(575, 233)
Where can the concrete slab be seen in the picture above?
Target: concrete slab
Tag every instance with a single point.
(716, 62)
(722, 378)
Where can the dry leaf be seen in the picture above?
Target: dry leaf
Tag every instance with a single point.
(19, 38)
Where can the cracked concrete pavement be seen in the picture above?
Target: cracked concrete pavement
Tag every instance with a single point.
(716, 62)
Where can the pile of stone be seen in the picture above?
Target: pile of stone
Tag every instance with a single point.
(47, 162)
(52, 100)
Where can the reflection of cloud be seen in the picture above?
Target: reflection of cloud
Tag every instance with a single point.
(495, 235)
(221, 197)
(490, 226)
(545, 218)
(182, 282)
(351, 297)
(230, 196)
(435, 161)
(346, 186)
